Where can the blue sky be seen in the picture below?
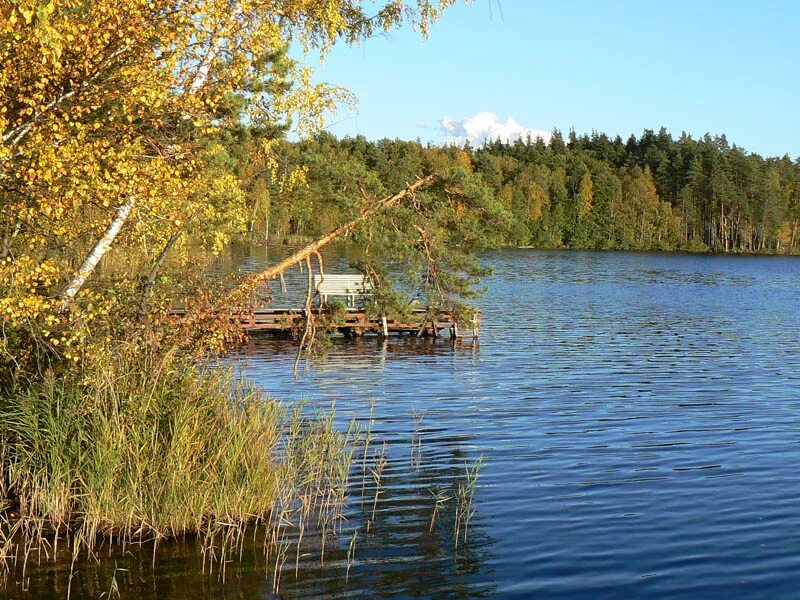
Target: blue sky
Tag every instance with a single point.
(617, 67)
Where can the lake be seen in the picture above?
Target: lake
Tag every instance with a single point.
(637, 418)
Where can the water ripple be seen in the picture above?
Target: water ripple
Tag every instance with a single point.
(638, 417)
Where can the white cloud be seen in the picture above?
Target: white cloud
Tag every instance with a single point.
(487, 126)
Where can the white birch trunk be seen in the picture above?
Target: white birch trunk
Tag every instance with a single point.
(97, 253)
(214, 49)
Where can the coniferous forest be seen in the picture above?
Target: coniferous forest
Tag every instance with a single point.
(654, 192)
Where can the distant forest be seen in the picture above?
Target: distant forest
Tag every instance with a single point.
(653, 192)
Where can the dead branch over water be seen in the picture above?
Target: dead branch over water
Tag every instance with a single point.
(314, 247)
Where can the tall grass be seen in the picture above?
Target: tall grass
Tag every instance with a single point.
(142, 445)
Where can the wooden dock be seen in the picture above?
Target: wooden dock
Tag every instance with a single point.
(354, 322)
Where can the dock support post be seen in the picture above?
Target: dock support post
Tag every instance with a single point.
(385, 326)
(422, 328)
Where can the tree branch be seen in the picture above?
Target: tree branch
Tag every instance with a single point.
(315, 246)
(151, 276)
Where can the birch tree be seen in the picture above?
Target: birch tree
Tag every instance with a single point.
(106, 111)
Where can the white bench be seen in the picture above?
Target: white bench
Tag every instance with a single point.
(352, 286)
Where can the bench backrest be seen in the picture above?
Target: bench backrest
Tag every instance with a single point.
(348, 285)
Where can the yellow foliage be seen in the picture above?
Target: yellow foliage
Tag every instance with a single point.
(787, 235)
(104, 103)
(585, 195)
(464, 160)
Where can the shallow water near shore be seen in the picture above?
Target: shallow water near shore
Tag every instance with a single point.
(638, 419)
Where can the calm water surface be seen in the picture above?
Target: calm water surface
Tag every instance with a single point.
(638, 416)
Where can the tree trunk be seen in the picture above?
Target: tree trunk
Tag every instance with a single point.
(214, 49)
(641, 230)
(97, 253)
(723, 226)
(6, 249)
(684, 225)
(151, 276)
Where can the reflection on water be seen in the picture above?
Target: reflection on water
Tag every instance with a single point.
(361, 352)
(639, 421)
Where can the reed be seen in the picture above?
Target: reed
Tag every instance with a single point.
(142, 445)
(465, 496)
(440, 499)
(376, 470)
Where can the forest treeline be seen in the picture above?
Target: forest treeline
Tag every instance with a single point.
(652, 192)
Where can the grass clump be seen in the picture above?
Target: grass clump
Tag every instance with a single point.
(142, 445)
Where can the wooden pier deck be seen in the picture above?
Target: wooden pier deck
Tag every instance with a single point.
(355, 322)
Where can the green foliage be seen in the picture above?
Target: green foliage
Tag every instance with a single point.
(139, 439)
(650, 193)
(427, 246)
(338, 310)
